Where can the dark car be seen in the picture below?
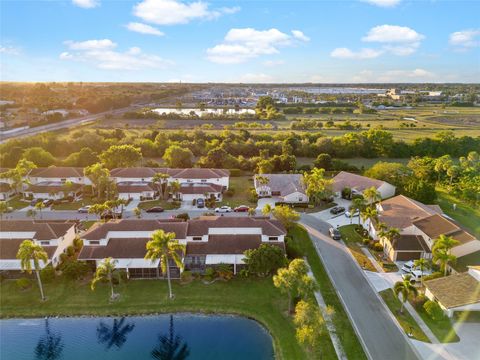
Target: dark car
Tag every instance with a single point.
(334, 234)
(155, 209)
(47, 202)
(200, 203)
(337, 210)
(241, 208)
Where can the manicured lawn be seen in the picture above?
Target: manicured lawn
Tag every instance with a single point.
(465, 214)
(442, 329)
(16, 202)
(255, 298)
(88, 224)
(347, 335)
(407, 322)
(354, 241)
(167, 205)
(241, 186)
(74, 205)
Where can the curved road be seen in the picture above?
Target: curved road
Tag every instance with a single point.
(380, 336)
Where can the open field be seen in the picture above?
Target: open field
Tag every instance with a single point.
(348, 338)
(257, 299)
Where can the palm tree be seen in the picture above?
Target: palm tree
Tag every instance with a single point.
(443, 258)
(262, 181)
(161, 178)
(40, 206)
(171, 346)
(50, 346)
(98, 209)
(422, 264)
(31, 213)
(251, 211)
(444, 242)
(106, 271)
(115, 334)
(67, 188)
(137, 212)
(267, 210)
(3, 208)
(29, 252)
(392, 235)
(175, 186)
(369, 213)
(372, 195)
(163, 247)
(405, 288)
(357, 204)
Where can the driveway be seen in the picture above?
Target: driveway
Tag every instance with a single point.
(371, 319)
(264, 201)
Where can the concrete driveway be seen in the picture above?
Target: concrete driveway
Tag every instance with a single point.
(374, 323)
(264, 201)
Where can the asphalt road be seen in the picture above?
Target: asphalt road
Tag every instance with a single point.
(379, 334)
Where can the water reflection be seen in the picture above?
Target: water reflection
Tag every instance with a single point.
(50, 346)
(170, 346)
(115, 335)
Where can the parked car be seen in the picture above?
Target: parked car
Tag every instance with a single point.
(47, 202)
(200, 203)
(349, 213)
(408, 267)
(337, 210)
(155, 209)
(241, 208)
(335, 234)
(223, 209)
(84, 209)
(415, 276)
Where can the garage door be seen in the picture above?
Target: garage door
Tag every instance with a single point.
(408, 255)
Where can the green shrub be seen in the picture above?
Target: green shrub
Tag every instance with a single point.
(183, 216)
(293, 249)
(23, 283)
(224, 271)
(77, 244)
(209, 273)
(74, 270)
(366, 241)
(230, 192)
(70, 251)
(432, 276)
(186, 276)
(419, 300)
(235, 172)
(377, 247)
(47, 274)
(434, 310)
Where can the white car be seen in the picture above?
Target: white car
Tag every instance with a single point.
(84, 210)
(415, 276)
(223, 209)
(408, 267)
(348, 213)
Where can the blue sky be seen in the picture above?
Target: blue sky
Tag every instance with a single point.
(240, 41)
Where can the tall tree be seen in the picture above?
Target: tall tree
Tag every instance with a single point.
(31, 253)
(372, 195)
(106, 271)
(177, 156)
(3, 208)
(309, 324)
(121, 156)
(318, 187)
(443, 258)
(286, 215)
(164, 247)
(422, 264)
(369, 213)
(99, 176)
(405, 288)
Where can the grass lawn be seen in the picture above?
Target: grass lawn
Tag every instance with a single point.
(144, 205)
(255, 298)
(354, 242)
(465, 214)
(88, 224)
(241, 196)
(407, 322)
(442, 329)
(74, 205)
(351, 345)
(17, 203)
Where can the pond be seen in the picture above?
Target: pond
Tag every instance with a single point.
(162, 337)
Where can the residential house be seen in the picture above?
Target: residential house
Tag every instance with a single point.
(6, 190)
(288, 188)
(420, 225)
(209, 241)
(53, 236)
(456, 293)
(359, 183)
(55, 182)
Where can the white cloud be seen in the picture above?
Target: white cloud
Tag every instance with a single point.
(91, 44)
(86, 4)
(9, 50)
(101, 53)
(144, 29)
(240, 45)
(465, 39)
(399, 76)
(345, 53)
(272, 63)
(171, 12)
(392, 34)
(297, 34)
(383, 3)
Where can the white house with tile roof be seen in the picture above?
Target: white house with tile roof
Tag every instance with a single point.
(288, 188)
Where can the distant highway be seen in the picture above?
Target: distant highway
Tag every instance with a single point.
(65, 124)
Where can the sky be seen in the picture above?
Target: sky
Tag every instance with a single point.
(276, 41)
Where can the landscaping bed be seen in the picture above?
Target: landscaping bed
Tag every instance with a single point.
(354, 242)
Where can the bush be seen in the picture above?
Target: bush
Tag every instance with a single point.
(74, 270)
(77, 244)
(70, 251)
(183, 216)
(224, 271)
(434, 310)
(346, 193)
(209, 273)
(235, 172)
(419, 300)
(230, 192)
(186, 276)
(366, 241)
(47, 274)
(377, 247)
(23, 283)
(432, 276)
(293, 249)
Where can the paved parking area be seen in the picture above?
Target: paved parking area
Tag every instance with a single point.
(264, 201)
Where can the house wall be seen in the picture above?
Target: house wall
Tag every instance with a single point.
(386, 190)
(296, 197)
(136, 196)
(77, 180)
(63, 242)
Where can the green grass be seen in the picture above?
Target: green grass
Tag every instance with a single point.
(442, 329)
(88, 224)
(465, 214)
(347, 335)
(407, 322)
(354, 241)
(144, 205)
(255, 298)
(74, 205)
(241, 186)
(16, 202)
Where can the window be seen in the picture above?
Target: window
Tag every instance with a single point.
(44, 243)
(196, 238)
(203, 180)
(300, 198)
(94, 242)
(273, 238)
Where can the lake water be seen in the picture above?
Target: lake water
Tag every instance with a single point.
(164, 337)
(203, 112)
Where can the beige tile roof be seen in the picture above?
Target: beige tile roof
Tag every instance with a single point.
(42, 230)
(455, 290)
(285, 184)
(9, 249)
(190, 173)
(56, 172)
(358, 182)
(200, 226)
(228, 244)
